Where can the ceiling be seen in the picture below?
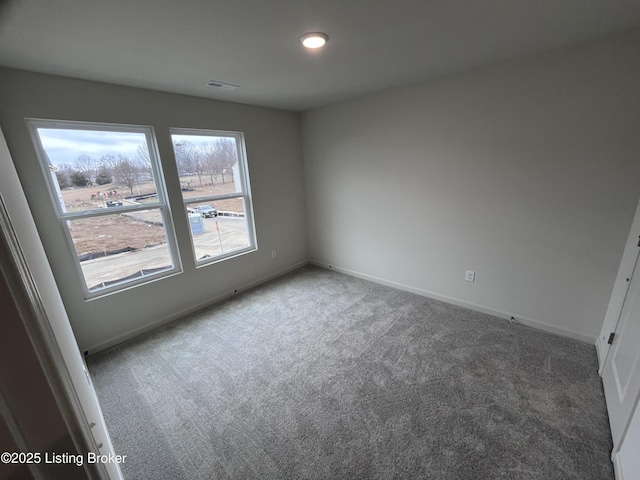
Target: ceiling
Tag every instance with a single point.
(177, 46)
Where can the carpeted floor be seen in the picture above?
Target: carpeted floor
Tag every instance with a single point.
(320, 375)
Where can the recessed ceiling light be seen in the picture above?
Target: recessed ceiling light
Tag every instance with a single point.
(314, 39)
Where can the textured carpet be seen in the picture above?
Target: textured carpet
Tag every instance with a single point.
(324, 376)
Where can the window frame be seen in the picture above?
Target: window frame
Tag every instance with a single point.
(162, 203)
(245, 194)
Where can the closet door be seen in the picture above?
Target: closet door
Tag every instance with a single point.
(46, 320)
(627, 461)
(621, 375)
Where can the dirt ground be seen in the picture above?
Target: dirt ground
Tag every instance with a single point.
(99, 234)
(95, 235)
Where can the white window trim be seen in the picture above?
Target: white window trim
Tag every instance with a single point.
(161, 204)
(243, 169)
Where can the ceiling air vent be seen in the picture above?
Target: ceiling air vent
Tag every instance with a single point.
(221, 86)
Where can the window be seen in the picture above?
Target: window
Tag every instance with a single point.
(108, 190)
(215, 190)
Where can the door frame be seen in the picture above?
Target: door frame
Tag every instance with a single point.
(25, 294)
(25, 269)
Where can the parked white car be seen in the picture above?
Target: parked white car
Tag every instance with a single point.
(206, 211)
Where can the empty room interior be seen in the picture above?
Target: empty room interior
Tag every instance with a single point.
(404, 251)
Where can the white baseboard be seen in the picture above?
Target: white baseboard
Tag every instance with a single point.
(191, 309)
(530, 322)
(599, 353)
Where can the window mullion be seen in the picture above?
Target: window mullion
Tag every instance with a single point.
(212, 198)
(110, 211)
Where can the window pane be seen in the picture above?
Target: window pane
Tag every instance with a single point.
(92, 167)
(219, 232)
(120, 247)
(207, 164)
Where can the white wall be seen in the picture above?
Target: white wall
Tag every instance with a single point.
(527, 172)
(275, 166)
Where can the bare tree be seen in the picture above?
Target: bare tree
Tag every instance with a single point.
(109, 162)
(210, 164)
(218, 157)
(87, 165)
(190, 159)
(143, 161)
(66, 167)
(127, 174)
(183, 158)
(124, 171)
(227, 155)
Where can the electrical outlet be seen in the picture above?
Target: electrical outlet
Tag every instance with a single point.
(273, 254)
(471, 276)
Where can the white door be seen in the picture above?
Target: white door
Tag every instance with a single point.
(627, 461)
(619, 292)
(621, 375)
(50, 309)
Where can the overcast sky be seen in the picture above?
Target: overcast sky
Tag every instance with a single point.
(195, 139)
(65, 146)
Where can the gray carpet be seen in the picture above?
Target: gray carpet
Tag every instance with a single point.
(324, 376)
